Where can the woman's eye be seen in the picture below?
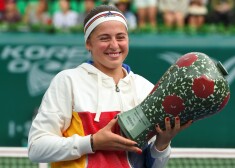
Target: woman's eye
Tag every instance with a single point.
(104, 38)
(121, 37)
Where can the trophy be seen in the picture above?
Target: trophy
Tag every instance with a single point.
(193, 88)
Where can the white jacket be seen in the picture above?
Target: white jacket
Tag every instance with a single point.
(66, 118)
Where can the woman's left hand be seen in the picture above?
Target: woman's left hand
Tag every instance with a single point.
(164, 137)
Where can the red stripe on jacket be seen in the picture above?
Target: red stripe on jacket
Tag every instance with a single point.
(102, 158)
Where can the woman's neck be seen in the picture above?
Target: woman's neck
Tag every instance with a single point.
(116, 74)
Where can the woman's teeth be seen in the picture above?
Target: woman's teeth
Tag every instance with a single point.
(114, 54)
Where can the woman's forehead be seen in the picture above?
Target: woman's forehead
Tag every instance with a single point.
(111, 26)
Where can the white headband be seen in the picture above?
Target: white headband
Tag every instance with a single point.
(103, 17)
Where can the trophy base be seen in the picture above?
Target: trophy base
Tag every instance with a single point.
(134, 124)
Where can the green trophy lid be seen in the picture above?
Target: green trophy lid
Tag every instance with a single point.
(222, 69)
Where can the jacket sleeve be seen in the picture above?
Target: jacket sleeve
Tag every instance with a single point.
(158, 159)
(46, 143)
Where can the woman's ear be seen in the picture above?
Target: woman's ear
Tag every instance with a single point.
(88, 45)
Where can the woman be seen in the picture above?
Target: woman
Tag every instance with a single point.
(65, 17)
(197, 12)
(76, 124)
(124, 7)
(222, 12)
(147, 13)
(37, 13)
(10, 14)
(174, 15)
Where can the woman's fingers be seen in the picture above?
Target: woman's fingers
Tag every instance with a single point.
(111, 124)
(125, 147)
(124, 141)
(158, 129)
(121, 143)
(105, 139)
(175, 128)
(165, 136)
(177, 123)
(167, 123)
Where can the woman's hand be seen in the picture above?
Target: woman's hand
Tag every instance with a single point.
(165, 137)
(105, 139)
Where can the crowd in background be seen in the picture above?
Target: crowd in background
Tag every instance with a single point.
(141, 14)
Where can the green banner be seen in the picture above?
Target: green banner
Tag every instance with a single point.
(28, 62)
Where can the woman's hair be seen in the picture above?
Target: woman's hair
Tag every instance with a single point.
(98, 9)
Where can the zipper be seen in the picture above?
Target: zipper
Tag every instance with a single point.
(118, 91)
(117, 88)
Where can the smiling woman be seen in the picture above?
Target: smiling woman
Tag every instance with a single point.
(76, 124)
(108, 45)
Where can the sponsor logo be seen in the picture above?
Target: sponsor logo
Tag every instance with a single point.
(41, 63)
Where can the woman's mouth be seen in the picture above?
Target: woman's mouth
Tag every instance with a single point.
(114, 55)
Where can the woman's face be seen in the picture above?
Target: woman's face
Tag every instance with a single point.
(64, 5)
(109, 45)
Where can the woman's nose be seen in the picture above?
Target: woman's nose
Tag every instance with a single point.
(114, 44)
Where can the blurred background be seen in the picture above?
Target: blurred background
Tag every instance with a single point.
(39, 38)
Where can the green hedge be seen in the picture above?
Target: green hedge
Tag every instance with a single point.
(161, 29)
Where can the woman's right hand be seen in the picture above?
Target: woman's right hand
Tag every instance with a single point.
(105, 139)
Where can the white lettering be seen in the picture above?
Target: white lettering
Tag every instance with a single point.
(38, 58)
(52, 51)
(77, 52)
(62, 53)
(19, 66)
(231, 76)
(35, 52)
(11, 129)
(27, 126)
(229, 65)
(38, 52)
(14, 128)
(10, 51)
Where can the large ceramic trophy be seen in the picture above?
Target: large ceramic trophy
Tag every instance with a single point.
(193, 88)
